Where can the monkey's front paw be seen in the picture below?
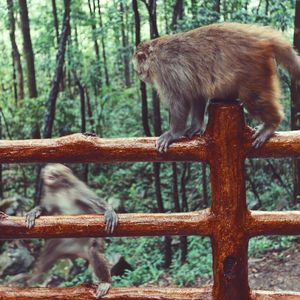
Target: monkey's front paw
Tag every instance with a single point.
(111, 220)
(190, 132)
(102, 289)
(164, 141)
(30, 218)
(3, 215)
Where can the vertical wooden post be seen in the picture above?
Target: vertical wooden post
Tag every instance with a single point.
(229, 240)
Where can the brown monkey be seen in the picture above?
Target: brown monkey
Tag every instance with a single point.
(227, 60)
(66, 194)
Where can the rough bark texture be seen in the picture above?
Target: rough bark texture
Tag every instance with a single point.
(295, 107)
(124, 45)
(143, 90)
(60, 56)
(177, 13)
(192, 223)
(103, 46)
(55, 20)
(81, 148)
(229, 241)
(15, 51)
(88, 292)
(28, 49)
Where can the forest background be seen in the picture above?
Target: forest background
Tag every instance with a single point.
(65, 67)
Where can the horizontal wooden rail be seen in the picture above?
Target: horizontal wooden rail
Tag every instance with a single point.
(194, 223)
(80, 148)
(281, 145)
(270, 223)
(88, 292)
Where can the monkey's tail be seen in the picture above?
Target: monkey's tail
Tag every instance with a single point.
(283, 52)
(286, 56)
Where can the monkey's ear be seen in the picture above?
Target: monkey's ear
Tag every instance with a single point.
(141, 56)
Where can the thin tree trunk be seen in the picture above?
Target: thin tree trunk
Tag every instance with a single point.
(49, 119)
(295, 107)
(15, 88)
(18, 70)
(29, 56)
(89, 110)
(204, 184)
(217, 6)
(151, 7)
(183, 240)
(184, 179)
(267, 8)
(124, 45)
(103, 46)
(177, 13)
(83, 119)
(145, 118)
(60, 56)
(96, 47)
(55, 20)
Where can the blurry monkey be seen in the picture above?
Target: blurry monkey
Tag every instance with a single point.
(227, 60)
(66, 194)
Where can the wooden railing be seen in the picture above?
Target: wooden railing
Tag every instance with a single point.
(225, 145)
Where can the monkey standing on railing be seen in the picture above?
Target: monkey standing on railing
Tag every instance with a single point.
(66, 194)
(226, 61)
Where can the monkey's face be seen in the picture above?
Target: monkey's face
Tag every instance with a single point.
(141, 62)
(56, 175)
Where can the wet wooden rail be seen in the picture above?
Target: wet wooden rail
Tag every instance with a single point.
(225, 145)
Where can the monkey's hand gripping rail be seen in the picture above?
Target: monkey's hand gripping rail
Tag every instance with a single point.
(225, 144)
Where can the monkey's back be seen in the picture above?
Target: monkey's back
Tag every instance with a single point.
(215, 60)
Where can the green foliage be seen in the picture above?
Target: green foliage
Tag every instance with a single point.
(116, 112)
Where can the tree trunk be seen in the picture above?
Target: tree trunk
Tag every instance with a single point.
(295, 107)
(49, 119)
(177, 13)
(217, 7)
(184, 179)
(204, 184)
(124, 45)
(81, 89)
(103, 46)
(145, 118)
(151, 7)
(28, 49)
(96, 47)
(15, 53)
(58, 72)
(89, 110)
(55, 20)
(183, 240)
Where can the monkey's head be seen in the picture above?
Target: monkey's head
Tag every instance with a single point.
(141, 60)
(57, 176)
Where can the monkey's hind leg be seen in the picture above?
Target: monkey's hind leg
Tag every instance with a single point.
(51, 252)
(100, 267)
(266, 108)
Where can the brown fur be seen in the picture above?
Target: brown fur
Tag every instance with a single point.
(227, 60)
(66, 194)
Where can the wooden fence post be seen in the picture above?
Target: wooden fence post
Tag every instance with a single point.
(226, 130)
